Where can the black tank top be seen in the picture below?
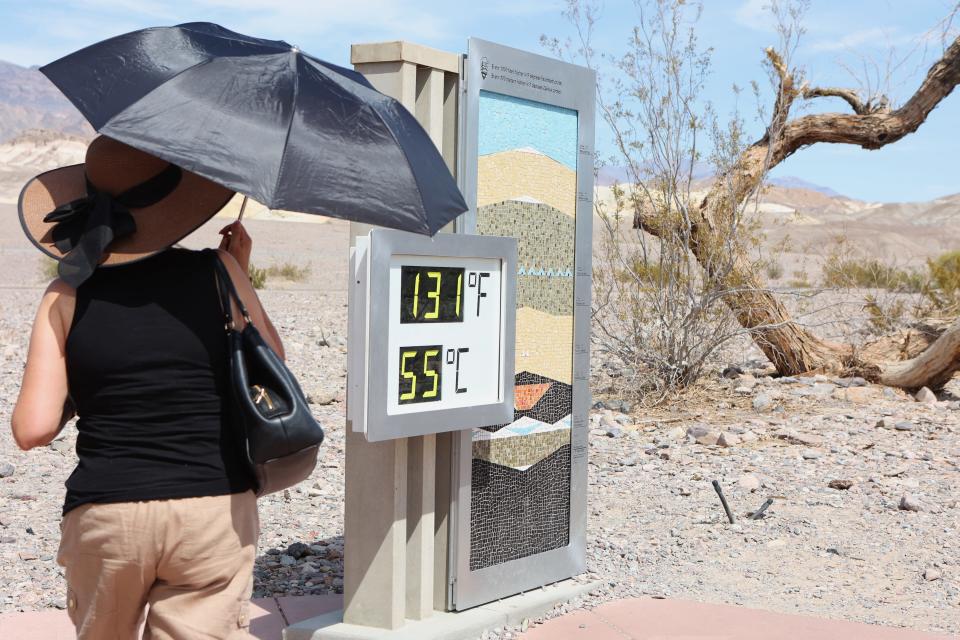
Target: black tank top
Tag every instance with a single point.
(147, 370)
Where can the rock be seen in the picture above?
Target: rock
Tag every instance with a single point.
(7, 539)
(909, 503)
(890, 394)
(932, 573)
(742, 390)
(676, 433)
(6, 469)
(287, 561)
(607, 420)
(840, 485)
(708, 438)
(811, 454)
(322, 397)
(61, 446)
(858, 395)
(954, 406)
(896, 472)
(795, 437)
(748, 482)
(697, 430)
(926, 396)
(732, 372)
(298, 550)
(728, 439)
(624, 406)
(28, 555)
(614, 432)
(903, 425)
(884, 423)
(628, 462)
(851, 382)
(762, 402)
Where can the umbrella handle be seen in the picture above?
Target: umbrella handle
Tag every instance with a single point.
(243, 207)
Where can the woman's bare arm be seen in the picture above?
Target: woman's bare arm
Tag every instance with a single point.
(43, 406)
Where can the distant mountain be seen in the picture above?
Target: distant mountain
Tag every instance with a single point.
(702, 172)
(792, 182)
(29, 101)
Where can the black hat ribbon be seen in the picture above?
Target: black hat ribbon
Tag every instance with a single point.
(86, 226)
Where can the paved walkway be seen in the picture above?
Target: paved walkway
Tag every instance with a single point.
(649, 619)
(268, 617)
(637, 619)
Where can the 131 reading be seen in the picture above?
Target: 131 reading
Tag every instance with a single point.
(420, 370)
(431, 294)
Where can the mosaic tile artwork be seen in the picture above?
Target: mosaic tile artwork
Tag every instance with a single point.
(545, 251)
(541, 179)
(527, 395)
(526, 188)
(504, 499)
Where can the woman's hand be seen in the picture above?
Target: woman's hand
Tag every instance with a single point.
(237, 242)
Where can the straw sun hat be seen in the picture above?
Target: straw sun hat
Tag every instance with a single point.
(120, 206)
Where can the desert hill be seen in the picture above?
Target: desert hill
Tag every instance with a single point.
(32, 152)
(29, 101)
(808, 215)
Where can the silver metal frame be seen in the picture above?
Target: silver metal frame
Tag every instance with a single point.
(383, 244)
(577, 91)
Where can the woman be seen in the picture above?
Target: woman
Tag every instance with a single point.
(159, 512)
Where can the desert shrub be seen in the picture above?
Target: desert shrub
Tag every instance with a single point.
(659, 311)
(870, 273)
(943, 290)
(258, 277)
(48, 268)
(884, 316)
(774, 270)
(289, 271)
(800, 280)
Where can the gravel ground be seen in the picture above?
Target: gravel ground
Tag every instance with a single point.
(864, 482)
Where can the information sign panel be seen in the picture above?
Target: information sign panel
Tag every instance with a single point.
(432, 345)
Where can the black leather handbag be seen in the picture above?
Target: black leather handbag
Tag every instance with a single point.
(282, 438)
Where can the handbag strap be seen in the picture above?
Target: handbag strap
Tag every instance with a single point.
(227, 292)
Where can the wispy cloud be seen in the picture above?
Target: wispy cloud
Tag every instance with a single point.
(872, 37)
(754, 14)
(65, 25)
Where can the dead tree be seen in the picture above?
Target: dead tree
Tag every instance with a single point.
(873, 124)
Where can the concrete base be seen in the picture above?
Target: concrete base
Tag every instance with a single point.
(463, 625)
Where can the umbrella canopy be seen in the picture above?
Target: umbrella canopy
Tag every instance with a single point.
(264, 119)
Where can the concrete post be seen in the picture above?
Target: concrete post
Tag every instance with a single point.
(389, 526)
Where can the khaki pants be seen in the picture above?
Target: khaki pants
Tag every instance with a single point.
(189, 559)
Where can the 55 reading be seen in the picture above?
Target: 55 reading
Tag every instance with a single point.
(420, 371)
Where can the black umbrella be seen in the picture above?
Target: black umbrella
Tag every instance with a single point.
(264, 119)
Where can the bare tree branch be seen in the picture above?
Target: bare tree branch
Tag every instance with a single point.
(875, 130)
(849, 95)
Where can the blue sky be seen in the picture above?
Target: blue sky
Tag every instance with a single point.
(839, 34)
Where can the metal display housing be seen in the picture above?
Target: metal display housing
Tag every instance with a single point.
(373, 255)
(469, 588)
